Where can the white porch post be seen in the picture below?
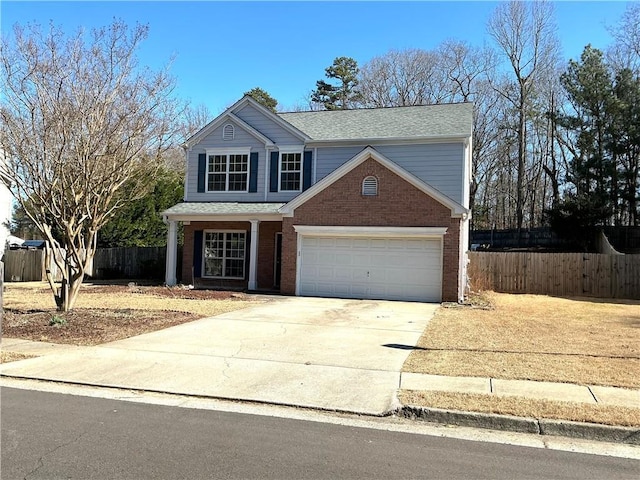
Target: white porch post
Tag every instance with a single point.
(172, 253)
(253, 255)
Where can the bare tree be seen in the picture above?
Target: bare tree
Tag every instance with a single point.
(625, 51)
(466, 67)
(79, 120)
(525, 33)
(404, 77)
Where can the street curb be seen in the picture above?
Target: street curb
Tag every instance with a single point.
(590, 431)
(565, 428)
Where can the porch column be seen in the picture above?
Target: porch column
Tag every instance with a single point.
(172, 253)
(253, 255)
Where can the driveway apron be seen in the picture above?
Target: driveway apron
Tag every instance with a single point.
(332, 354)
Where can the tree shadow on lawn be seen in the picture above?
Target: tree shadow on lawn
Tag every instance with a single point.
(614, 301)
(522, 352)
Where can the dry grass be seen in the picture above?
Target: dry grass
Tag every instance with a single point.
(535, 337)
(6, 357)
(37, 296)
(105, 313)
(524, 407)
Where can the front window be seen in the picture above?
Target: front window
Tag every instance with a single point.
(228, 173)
(290, 171)
(224, 254)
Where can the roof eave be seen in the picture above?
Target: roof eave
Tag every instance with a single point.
(392, 140)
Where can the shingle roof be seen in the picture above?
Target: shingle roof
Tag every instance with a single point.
(446, 120)
(223, 208)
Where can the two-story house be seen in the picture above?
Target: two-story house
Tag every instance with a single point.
(369, 203)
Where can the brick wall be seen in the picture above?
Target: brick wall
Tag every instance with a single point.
(187, 251)
(398, 204)
(266, 251)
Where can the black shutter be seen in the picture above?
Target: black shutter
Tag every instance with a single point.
(197, 253)
(202, 171)
(273, 173)
(253, 172)
(307, 165)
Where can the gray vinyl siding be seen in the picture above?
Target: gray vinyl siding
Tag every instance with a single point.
(281, 196)
(267, 126)
(214, 140)
(330, 158)
(440, 164)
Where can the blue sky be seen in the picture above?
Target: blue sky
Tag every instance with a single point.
(222, 49)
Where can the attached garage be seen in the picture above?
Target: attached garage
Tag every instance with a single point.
(370, 262)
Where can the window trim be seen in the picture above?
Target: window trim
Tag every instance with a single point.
(227, 152)
(224, 258)
(289, 149)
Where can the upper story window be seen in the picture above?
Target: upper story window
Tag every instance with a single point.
(228, 171)
(290, 171)
(228, 132)
(370, 186)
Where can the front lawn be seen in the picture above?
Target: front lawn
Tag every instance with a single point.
(534, 337)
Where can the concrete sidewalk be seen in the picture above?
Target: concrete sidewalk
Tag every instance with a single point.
(565, 392)
(560, 392)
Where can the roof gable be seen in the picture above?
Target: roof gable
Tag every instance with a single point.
(365, 154)
(222, 120)
(229, 114)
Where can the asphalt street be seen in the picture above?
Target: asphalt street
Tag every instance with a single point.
(52, 435)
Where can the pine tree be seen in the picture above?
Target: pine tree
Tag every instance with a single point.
(345, 94)
(263, 98)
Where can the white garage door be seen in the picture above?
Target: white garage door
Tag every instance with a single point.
(374, 268)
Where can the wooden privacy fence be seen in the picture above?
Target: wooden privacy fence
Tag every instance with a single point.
(559, 274)
(129, 262)
(108, 264)
(27, 266)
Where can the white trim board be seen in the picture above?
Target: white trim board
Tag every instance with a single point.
(386, 232)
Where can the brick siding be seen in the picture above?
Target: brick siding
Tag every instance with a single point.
(266, 250)
(398, 204)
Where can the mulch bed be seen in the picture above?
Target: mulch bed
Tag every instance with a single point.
(165, 292)
(84, 326)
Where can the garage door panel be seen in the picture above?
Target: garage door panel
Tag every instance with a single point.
(376, 243)
(361, 267)
(325, 273)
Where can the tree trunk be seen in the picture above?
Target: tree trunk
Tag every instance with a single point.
(521, 166)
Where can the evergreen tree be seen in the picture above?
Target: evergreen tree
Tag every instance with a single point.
(139, 223)
(588, 201)
(345, 94)
(263, 98)
(625, 147)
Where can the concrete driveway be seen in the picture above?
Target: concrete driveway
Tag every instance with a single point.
(333, 354)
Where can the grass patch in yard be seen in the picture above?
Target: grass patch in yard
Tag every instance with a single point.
(524, 407)
(105, 313)
(534, 337)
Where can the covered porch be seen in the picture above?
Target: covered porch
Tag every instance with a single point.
(226, 245)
